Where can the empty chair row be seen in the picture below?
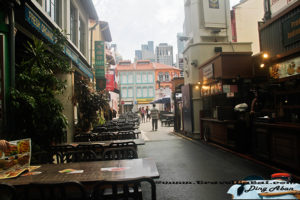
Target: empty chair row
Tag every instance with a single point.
(67, 154)
(105, 136)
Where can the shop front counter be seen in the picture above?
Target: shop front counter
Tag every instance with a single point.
(278, 143)
(219, 131)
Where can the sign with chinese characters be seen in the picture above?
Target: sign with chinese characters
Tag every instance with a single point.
(285, 69)
(208, 72)
(100, 65)
(39, 25)
(291, 30)
(214, 4)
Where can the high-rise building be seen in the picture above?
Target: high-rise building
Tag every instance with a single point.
(151, 46)
(146, 52)
(138, 55)
(164, 54)
(180, 48)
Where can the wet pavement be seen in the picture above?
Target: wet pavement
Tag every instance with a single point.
(184, 166)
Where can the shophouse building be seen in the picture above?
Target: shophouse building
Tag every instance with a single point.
(276, 138)
(40, 18)
(136, 83)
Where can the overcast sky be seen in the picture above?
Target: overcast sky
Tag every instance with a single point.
(135, 22)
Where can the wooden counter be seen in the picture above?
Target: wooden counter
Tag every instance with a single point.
(278, 142)
(219, 131)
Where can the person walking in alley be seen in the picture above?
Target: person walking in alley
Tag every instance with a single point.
(147, 114)
(154, 116)
(143, 114)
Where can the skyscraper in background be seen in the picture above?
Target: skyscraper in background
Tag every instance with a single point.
(164, 54)
(138, 55)
(151, 46)
(180, 48)
(146, 52)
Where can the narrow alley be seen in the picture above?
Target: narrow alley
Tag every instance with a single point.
(184, 166)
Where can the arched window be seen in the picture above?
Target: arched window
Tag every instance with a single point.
(167, 76)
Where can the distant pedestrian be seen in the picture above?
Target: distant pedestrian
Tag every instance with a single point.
(148, 114)
(154, 115)
(143, 112)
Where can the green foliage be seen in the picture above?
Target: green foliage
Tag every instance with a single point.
(37, 112)
(89, 103)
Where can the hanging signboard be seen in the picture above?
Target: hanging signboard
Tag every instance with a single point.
(285, 69)
(99, 65)
(110, 81)
(291, 30)
(208, 72)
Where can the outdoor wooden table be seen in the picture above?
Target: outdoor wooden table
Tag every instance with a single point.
(104, 143)
(92, 172)
(169, 115)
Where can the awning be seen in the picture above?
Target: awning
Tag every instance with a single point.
(163, 100)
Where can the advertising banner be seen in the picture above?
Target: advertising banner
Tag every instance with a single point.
(110, 81)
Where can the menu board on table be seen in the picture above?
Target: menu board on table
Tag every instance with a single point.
(16, 159)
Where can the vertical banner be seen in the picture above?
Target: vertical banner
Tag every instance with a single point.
(110, 81)
(99, 65)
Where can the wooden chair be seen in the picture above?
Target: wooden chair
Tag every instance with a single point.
(62, 152)
(120, 153)
(81, 156)
(105, 136)
(123, 144)
(56, 191)
(7, 192)
(126, 135)
(129, 189)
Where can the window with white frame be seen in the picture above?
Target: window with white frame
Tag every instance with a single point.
(130, 77)
(138, 77)
(151, 92)
(51, 7)
(130, 92)
(124, 92)
(144, 77)
(81, 35)
(138, 92)
(124, 78)
(73, 24)
(145, 92)
(167, 76)
(150, 77)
